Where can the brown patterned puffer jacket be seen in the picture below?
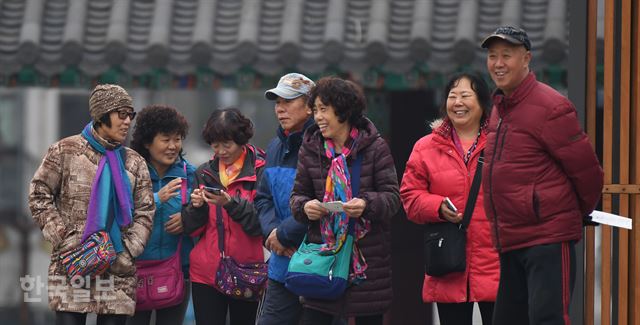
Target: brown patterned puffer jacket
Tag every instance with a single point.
(58, 198)
(379, 188)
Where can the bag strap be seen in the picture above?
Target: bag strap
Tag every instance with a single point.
(473, 193)
(220, 226)
(356, 168)
(179, 248)
(184, 185)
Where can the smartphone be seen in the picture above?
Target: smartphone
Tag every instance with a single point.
(214, 190)
(450, 205)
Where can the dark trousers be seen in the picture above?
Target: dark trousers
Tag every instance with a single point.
(462, 313)
(316, 317)
(210, 307)
(69, 318)
(165, 316)
(536, 285)
(280, 306)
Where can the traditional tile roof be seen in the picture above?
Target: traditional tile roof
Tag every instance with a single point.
(268, 36)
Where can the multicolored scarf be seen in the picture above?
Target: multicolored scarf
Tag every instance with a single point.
(111, 196)
(335, 226)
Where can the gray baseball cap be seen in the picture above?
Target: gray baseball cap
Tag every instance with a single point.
(290, 86)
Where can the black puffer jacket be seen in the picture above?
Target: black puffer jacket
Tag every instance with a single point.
(379, 188)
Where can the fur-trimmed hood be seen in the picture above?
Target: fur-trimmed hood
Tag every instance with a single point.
(443, 126)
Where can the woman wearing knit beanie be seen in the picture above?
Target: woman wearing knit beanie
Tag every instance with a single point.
(91, 184)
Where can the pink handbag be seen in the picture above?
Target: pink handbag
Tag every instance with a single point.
(160, 282)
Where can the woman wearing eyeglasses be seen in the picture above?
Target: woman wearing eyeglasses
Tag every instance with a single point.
(86, 184)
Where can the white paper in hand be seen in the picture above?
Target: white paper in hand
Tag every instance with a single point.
(611, 219)
(333, 206)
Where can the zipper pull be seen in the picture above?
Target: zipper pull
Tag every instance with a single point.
(440, 242)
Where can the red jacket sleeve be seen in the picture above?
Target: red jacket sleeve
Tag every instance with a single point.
(421, 205)
(567, 143)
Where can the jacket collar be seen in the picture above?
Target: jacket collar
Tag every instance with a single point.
(254, 159)
(503, 102)
(175, 170)
(367, 135)
(442, 129)
(294, 140)
(109, 145)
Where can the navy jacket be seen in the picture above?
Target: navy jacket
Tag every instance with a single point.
(272, 198)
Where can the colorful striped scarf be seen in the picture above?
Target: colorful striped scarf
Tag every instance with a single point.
(335, 226)
(110, 192)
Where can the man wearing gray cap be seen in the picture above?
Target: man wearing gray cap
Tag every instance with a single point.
(91, 184)
(541, 178)
(283, 234)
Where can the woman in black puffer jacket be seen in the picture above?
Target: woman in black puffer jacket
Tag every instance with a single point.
(342, 134)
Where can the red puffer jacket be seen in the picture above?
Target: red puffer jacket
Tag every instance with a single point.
(542, 176)
(435, 171)
(242, 237)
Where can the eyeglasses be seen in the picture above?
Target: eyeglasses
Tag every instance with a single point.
(123, 113)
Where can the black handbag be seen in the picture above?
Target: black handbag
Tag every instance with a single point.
(445, 242)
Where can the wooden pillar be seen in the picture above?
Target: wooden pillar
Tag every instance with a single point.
(621, 87)
(634, 253)
(590, 123)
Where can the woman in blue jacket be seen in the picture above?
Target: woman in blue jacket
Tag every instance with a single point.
(158, 138)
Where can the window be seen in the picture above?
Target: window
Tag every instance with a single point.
(11, 157)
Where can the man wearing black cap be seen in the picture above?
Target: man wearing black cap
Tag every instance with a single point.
(283, 233)
(541, 178)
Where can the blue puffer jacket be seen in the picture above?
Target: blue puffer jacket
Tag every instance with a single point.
(161, 244)
(272, 198)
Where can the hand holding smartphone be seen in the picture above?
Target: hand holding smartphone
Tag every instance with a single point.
(213, 190)
(450, 205)
(215, 195)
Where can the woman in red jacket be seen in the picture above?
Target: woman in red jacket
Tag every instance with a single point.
(442, 165)
(233, 172)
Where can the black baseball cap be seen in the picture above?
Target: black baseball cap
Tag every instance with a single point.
(516, 36)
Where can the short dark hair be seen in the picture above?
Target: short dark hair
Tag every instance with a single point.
(227, 124)
(155, 119)
(479, 86)
(346, 97)
(105, 120)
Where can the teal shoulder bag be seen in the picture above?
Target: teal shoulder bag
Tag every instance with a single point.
(323, 275)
